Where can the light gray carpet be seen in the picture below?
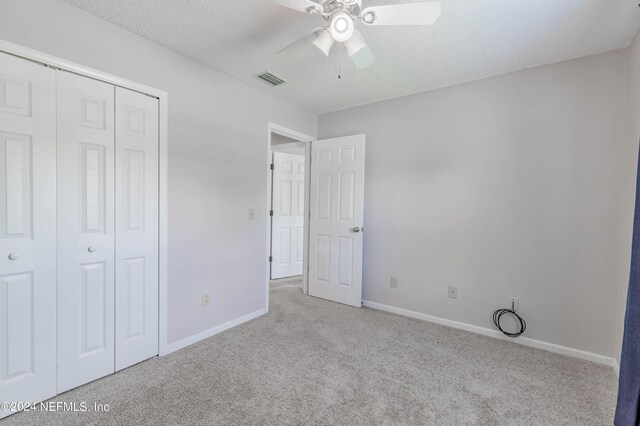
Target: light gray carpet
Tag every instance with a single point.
(315, 362)
(292, 282)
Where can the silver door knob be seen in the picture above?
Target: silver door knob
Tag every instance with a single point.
(91, 249)
(356, 229)
(13, 256)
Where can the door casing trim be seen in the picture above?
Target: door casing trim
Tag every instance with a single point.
(293, 134)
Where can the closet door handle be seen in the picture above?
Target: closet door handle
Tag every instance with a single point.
(91, 249)
(13, 256)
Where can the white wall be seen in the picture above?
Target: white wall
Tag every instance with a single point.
(501, 187)
(628, 154)
(217, 156)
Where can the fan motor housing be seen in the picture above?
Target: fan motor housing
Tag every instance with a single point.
(330, 7)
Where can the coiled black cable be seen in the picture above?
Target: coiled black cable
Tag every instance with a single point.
(496, 321)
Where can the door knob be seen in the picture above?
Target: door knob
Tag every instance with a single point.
(13, 256)
(91, 249)
(356, 229)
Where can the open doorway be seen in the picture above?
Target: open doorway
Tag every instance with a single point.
(288, 203)
(332, 221)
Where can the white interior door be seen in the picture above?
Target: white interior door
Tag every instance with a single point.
(336, 224)
(136, 227)
(27, 231)
(287, 228)
(85, 230)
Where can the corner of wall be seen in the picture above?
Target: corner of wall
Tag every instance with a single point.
(628, 155)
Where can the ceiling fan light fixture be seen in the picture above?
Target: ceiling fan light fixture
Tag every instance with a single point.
(324, 41)
(342, 27)
(341, 15)
(354, 44)
(358, 51)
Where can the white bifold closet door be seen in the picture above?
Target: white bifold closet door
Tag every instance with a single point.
(86, 234)
(107, 228)
(136, 227)
(27, 231)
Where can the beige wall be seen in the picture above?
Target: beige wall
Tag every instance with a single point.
(509, 186)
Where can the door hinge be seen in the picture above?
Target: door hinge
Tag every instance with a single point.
(272, 166)
(270, 212)
(270, 259)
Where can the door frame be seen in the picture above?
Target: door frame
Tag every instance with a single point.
(163, 142)
(306, 139)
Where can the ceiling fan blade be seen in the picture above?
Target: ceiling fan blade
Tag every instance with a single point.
(364, 58)
(306, 6)
(297, 45)
(358, 51)
(402, 14)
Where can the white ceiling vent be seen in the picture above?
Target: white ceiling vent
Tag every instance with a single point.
(270, 79)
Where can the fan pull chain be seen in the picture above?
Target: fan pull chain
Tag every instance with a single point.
(339, 62)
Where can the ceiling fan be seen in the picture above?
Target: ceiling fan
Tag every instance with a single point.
(341, 17)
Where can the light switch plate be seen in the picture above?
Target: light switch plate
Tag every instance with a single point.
(252, 214)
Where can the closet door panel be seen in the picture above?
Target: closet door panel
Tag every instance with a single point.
(27, 231)
(86, 143)
(136, 227)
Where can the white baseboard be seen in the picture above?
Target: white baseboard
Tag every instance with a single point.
(616, 367)
(172, 347)
(551, 347)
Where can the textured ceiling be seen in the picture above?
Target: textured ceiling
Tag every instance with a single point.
(473, 39)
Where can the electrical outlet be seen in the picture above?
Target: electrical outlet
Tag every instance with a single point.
(453, 292)
(515, 305)
(206, 299)
(252, 214)
(393, 282)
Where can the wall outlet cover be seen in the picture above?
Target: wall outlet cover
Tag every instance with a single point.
(393, 282)
(453, 292)
(206, 299)
(514, 303)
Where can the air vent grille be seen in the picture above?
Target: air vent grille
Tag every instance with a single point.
(270, 79)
